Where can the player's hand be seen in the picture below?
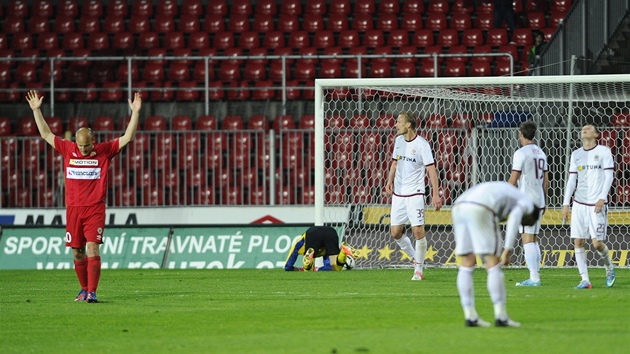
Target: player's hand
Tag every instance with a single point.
(389, 189)
(137, 102)
(505, 258)
(437, 201)
(34, 100)
(599, 206)
(565, 213)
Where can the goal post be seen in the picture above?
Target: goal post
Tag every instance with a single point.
(472, 125)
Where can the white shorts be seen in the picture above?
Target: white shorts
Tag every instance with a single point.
(586, 223)
(533, 229)
(476, 230)
(407, 209)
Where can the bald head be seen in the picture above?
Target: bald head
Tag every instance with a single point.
(85, 140)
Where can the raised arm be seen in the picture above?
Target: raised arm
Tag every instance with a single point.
(44, 130)
(130, 133)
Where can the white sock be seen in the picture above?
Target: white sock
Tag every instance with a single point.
(531, 255)
(580, 259)
(421, 253)
(467, 291)
(538, 255)
(496, 288)
(405, 244)
(606, 257)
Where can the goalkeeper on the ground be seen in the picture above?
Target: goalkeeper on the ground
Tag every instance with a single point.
(320, 241)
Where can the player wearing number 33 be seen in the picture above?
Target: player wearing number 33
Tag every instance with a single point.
(592, 166)
(529, 174)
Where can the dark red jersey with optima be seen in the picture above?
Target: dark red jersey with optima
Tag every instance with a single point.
(86, 176)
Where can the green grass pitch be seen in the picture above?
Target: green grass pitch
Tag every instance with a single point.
(272, 311)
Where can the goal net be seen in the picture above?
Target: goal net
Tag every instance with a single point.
(472, 126)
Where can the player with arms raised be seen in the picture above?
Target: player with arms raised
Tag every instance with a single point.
(85, 169)
(592, 168)
(530, 175)
(412, 158)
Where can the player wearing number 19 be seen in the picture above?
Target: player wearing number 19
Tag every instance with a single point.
(530, 175)
(85, 169)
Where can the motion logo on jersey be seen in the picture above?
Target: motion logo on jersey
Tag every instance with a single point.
(74, 162)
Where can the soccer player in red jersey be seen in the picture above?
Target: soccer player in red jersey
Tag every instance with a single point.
(85, 167)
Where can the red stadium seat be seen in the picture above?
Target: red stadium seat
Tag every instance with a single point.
(307, 121)
(192, 8)
(485, 21)
(312, 23)
(373, 38)
(337, 22)
(556, 18)
(38, 24)
(174, 40)
(114, 24)
(398, 38)
(13, 25)
(142, 8)
(167, 8)
(22, 41)
(284, 122)
(621, 120)
(64, 24)
(98, 41)
(288, 23)
(323, 39)
(462, 121)
(223, 40)
(389, 7)
(365, 6)
(461, 21)
(299, 39)
(502, 68)
(149, 40)
(264, 90)
(560, 5)
(291, 7)
(139, 24)
(609, 138)
(40, 8)
(481, 49)
(89, 24)
(536, 20)
(315, 7)
(497, 37)
(178, 72)
(411, 22)
(188, 24)
(486, 7)
(242, 7)
(462, 6)
(112, 92)
(18, 9)
(522, 37)
(438, 6)
(248, 40)
(458, 49)
(74, 123)
(206, 122)
(214, 23)
(448, 37)
(362, 22)
(380, 70)
(117, 8)
(264, 23)
(92, 8)
(123, 40)
(218, 7)
(436, 21)
(348, 39)
(55, 73)
(480, 68)
(47, 41)
(164, 24)
(387, 22)
(423, 38)
(232, 122)
(436, 121)
(340, 7)
(405, 69)
(273, 40)
(68, 8)
(26, 72)
(267, 7)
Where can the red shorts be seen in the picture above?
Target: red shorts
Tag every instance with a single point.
(84, 224)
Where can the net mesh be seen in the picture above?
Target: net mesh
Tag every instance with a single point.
(473, 130)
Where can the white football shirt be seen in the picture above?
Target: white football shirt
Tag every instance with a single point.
(589, 165)
(531, 162)
(412, 157)
(499, 197)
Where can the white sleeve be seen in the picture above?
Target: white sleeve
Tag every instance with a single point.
(427, 155)
(394, 149)
(608, 179)
(517, 161)
(570, 188)
(513, 222)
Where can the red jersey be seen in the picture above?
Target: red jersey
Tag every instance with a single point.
(86, 176)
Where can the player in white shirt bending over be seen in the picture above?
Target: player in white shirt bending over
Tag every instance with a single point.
(476, 217)
(592, 166)
(529, 174)
(412, 158)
